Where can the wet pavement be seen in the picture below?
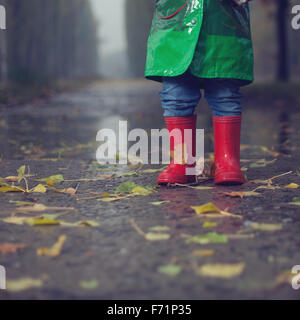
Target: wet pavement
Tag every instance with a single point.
(113, 257)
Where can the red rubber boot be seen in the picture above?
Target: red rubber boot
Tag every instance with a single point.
(176, 172)
(227, 132)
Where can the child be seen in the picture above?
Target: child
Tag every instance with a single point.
(202, 44)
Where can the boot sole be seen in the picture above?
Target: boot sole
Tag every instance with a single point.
(229, 178)
(181, 181)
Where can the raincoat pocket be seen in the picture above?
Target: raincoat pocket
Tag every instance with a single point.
(167, 9)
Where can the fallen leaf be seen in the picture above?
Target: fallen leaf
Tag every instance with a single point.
(141, 191)
(261, 163)
(70, 191)
(89, 285)
(55, 250)
(206, 208)
(126, 187)
(242, 194)
(23, 284)
(41, 222)
(225, 271)
(151, 236)
(21, 173)
(209, 224)
(159, 203)
(292, 186)
(12, 189)
(159, 228)
(58, 178)
(170, 270)
(211, 237)
(15, 220)
(39, 189)
(266, 226)
(153, 170)
(11, 247)
(203, 253)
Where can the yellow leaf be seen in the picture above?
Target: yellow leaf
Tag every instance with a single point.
(292, 186)
(39, 189)
(203, 253)
(140, 191)
(23, 284)
(158, 203)
(209, 224)
(55, 250)
(266, 226)
(41, 222)
(12, 189)
(225, 271)
(206, 208)
(53, 179)
(151, 236)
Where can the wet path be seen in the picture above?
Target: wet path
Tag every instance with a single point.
(114, 256)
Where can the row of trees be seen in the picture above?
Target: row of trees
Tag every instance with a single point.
(47, 40)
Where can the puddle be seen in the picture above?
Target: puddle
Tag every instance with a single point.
(65, 127)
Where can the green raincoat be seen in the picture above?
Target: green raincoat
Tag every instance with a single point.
(211, 38)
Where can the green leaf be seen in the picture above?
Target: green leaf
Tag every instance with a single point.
(211, 237)
(170, 270)
(296, 199)
(58, 178)
(126, 187)
(21, 173)
(141, 191)
(89, 285)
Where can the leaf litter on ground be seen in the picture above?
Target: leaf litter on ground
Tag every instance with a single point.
(55, 250)
(170, 270)
(211, 210)
(155, 234)
(221, 270)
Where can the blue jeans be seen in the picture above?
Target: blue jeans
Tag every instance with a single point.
(181, 95)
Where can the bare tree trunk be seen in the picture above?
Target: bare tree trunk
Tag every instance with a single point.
(3, 51)
(282, 40)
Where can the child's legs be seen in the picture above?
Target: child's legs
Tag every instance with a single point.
(180, 95)
(224, 97)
